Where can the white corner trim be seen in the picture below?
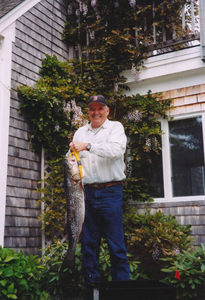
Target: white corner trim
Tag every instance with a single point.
(16, 13)
(6, 38)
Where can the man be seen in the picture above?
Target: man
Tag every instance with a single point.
(101, 146)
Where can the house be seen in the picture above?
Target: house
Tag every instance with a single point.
(180, 75)
(29, 29)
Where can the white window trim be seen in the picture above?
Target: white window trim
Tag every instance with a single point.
(166, 160)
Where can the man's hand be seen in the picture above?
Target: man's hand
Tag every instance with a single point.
(78, 146)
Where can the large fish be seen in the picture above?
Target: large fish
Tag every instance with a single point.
(74, 194)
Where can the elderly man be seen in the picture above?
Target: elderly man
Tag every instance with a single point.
(102, 145)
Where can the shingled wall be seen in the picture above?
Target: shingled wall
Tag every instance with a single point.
(38, 32)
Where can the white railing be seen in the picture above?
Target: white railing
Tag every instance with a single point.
(187, 36)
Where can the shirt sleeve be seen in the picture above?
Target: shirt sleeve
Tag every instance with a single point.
(114, 146)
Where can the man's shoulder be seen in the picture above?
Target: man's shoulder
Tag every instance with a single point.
(114, 123)
(82, 129)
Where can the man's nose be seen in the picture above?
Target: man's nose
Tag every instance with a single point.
(96, 111)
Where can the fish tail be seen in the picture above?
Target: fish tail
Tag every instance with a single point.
(68, 262)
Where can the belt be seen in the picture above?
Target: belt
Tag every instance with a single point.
(98, 186)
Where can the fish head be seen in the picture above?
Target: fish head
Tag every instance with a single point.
(71, 168)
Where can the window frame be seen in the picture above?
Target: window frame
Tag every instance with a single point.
(166, 158)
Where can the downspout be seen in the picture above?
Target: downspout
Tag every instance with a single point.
(202, 28)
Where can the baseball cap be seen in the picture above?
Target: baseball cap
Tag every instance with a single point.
(98, 99)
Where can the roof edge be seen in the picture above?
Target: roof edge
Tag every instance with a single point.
(16, 13)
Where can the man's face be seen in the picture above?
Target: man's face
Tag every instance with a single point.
(98, 114)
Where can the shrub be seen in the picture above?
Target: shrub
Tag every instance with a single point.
(154, 236)
(105, 264)
(20, 275)
(191, 267)
(59, 284)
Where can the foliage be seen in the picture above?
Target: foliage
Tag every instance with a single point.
(56, 283)
(157, 231)
(154, 236)
(139, 115)
(111, 36)
(53, 196)
(191, 267)
(60, 284)
(20, 276)
(105, 264)
(48, 106)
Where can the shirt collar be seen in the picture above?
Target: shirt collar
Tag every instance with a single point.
(104, 125)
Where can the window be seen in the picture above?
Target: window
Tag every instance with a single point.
(187, 158)
(182, 160)
(156, 176)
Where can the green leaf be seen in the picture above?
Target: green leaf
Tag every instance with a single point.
(11, 288)
(104, 267)
(167, 270)
(8, 258)
(193, 286)
(24, 283)
(197, 281)
(8, 271)
(4, 292)
(3, 282)
(12, 296)
(202, 267)
(182, 285)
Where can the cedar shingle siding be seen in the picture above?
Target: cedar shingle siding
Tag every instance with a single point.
(38, 32)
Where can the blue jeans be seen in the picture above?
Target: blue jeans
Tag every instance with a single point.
(103, 211)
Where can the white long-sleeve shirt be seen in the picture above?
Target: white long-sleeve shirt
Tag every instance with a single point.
(105, 160)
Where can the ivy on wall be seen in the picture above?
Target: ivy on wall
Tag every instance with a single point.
(51, 105)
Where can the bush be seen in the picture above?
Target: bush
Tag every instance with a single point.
(20, 275)
(105, 264)
(59, 284)
(191, 267)
(154, 236)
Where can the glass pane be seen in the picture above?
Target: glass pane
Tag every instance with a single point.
(187, 157)
(156, 175)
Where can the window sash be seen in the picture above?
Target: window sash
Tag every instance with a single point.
(166, 160)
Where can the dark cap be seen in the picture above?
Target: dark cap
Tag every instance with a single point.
(98, 99)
